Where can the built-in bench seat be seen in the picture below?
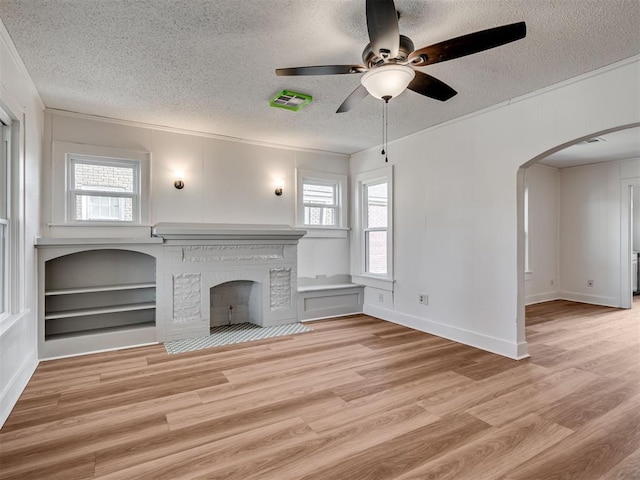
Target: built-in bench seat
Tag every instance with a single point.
(328, 297)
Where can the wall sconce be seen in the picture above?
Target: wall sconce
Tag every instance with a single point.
(179, 181)
(279, 187)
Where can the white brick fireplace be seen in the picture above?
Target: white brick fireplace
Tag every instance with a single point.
(197, 257)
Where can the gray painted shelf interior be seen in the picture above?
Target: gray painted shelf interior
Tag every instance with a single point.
(99, 291)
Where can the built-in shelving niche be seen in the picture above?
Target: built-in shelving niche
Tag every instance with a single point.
(99, 291)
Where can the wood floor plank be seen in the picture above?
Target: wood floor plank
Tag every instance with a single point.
(109, 397)
(50, 434)
(392, 458)
(338, 444)
(588, 402)
(495, 453)
(465, 396)
(629, 468)
(356, 398)
(590, 452)
(77, 469)
(223, 407)
(206, 459)
(285, 362)
(392, 398)
(532, 397)
(394, 377)
(147, 449)
(30, 460)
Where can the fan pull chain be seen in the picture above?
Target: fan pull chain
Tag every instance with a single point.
(383, 116)
(385, 128)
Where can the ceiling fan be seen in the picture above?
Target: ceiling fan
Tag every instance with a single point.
(390, 60)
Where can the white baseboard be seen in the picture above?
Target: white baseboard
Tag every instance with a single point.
(517, 351)
(592, 299)
(311, 320)
(14, 389)
(542, 297)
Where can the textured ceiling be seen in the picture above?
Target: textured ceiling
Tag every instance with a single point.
(209, 65)
(620, 145)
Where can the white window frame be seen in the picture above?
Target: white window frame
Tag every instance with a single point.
(107, 192)
(339, 182)
(367, 229)
(14, 268)
(359, 272)
(5, 220)
(62, 208)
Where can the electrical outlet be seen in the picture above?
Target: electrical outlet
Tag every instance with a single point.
(381, 297)
(589, 283)
(423, 298)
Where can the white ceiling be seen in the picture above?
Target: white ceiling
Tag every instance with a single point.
(208, 65)
(620, 145)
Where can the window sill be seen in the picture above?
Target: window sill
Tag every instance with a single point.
(374, 282)
(100, 230)
(324, 232)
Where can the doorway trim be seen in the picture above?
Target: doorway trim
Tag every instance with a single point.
(626, 239)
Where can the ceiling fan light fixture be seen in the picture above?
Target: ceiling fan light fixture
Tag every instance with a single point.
(387, 80)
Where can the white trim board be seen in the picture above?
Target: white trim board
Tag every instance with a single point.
(521, 98)
(591, 299)
(165, 128)
(455, 334)
(11, 393)
(542, 297)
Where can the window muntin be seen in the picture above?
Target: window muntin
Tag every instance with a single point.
(375, 221)
(320, 201)
(104, 190)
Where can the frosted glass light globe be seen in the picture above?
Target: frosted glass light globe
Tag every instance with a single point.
(387, 80)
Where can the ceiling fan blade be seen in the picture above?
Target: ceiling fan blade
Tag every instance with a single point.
(352, 100)
(470, 43)
(382, 24)
(320, 70)
(431, 87)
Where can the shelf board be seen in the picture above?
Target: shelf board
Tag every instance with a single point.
(100, 310)
(101, 288)
(101, 331)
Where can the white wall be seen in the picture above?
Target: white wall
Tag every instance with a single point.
(18, 97)
(636, 218)
(225, 181)
(457, 212)
(590, 233)
(541, 283)
(576, 232)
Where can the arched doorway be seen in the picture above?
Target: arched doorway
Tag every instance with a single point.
(615, 205)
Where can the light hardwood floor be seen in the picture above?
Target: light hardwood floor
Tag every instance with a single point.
(357, 398)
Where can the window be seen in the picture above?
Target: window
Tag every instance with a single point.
(5, 192)
(373, 236)
(375, 227)
(321, 200)
(94, 186)
(12, 263)
(104, 189)
(320, 204)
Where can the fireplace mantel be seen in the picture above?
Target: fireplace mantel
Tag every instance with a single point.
(219, 231)
(196, 257)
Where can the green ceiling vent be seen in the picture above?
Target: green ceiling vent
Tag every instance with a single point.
(290, 100)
